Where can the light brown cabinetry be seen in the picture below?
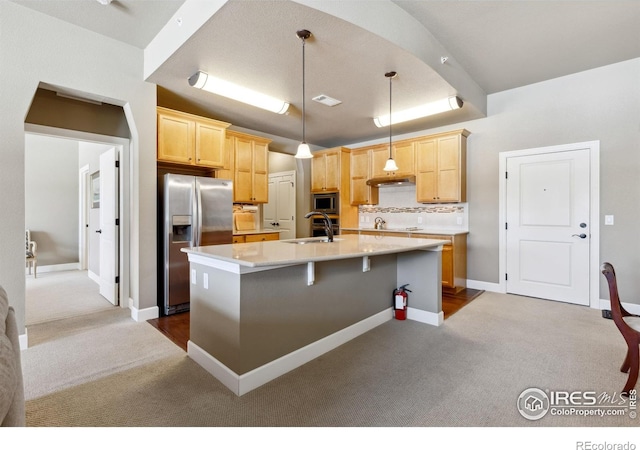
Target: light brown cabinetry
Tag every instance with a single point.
(454, 255)
(247, 167)
(330, 172)
(325, 171)
(454, 260)
(187, 139)
(403, 154)
(441, 168)
(255, 237)
(361, 193)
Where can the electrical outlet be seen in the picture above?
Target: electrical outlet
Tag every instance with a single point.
(419, 220)
(205, 280)
(193, 276)
(608, 220)
(366, 219)
(459, 220)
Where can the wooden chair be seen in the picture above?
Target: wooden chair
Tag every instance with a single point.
(32, 254)
(629, 326)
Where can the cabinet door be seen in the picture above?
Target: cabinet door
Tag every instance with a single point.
(404, 154)
(243, 175)
(210, 148)
(426, 171)
(447, 266)
(449, 169)
(360, 191)
(318, 173)
(260, 173)
(332, 171)
(175, 139)
(379, 157)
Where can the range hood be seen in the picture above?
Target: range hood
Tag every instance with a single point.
(392, 180)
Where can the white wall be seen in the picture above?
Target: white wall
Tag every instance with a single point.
(35, 48)
(51, 198)
(600, 104)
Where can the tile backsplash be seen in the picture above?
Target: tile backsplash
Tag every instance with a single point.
(398, 208)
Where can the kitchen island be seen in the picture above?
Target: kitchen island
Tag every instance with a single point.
(259, 310)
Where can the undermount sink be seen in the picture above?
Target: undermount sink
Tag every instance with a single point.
(320, 240)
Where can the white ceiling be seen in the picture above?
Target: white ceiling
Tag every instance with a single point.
(491, 45)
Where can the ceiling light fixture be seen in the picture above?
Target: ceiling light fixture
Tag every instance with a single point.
(203, 80)
(391, 165)
(428, 109)
(104, 2)
(304, 152)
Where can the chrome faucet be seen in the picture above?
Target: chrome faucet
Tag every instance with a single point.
(328, 229)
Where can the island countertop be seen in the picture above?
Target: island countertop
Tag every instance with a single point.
(287, 252)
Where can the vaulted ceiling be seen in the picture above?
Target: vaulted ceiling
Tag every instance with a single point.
(489, 46)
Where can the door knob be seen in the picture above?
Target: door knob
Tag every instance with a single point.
(581, 235)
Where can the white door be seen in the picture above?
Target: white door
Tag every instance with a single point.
(279, 213)
(108, 198)
(548, 229)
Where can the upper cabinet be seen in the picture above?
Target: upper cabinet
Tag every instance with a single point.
(361, 192)
(325, 170)
(190, 140)
(403, 154)
(247, 167)
(441, 168)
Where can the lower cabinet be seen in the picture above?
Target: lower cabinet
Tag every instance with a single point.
(255, 237)
(454, 256)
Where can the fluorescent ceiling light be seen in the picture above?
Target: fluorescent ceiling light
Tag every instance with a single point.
(428, 109)
(202, 80)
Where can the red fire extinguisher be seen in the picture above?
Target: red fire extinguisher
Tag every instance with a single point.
(400, 300)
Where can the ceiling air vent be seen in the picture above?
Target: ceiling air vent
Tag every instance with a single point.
(326, 100)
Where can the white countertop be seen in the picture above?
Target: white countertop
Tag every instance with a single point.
(412, 230)
(278, 253)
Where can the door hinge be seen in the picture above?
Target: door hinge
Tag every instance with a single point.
(117, 163)
(506, 277)
(117, 222)
(506, 175)
(117, 280)
(506, 225)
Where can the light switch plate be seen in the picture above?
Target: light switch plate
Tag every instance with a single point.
(193, 276)
(608, 220)
(205, 280)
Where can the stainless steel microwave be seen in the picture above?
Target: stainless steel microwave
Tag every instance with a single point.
(326, 203)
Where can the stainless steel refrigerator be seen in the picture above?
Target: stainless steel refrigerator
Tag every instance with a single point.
(197, 211)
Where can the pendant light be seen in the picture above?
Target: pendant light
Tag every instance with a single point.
(304, 152)
(390, 166)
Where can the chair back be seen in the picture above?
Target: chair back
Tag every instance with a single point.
(617, 310)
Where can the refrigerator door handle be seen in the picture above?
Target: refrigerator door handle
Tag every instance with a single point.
(197, 207)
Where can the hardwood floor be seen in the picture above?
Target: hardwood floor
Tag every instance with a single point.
(176, 326)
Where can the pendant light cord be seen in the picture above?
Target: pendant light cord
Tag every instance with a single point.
(303, 100)
(390, 122)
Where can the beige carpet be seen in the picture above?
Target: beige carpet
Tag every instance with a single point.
(59, 295)
(468, 372)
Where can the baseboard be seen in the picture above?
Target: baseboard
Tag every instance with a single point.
(633, 308)
(427, 317)
(142, 315)
(23, 339)
(485, 286)
(93, 276)
(241, 384)
(56, 268)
